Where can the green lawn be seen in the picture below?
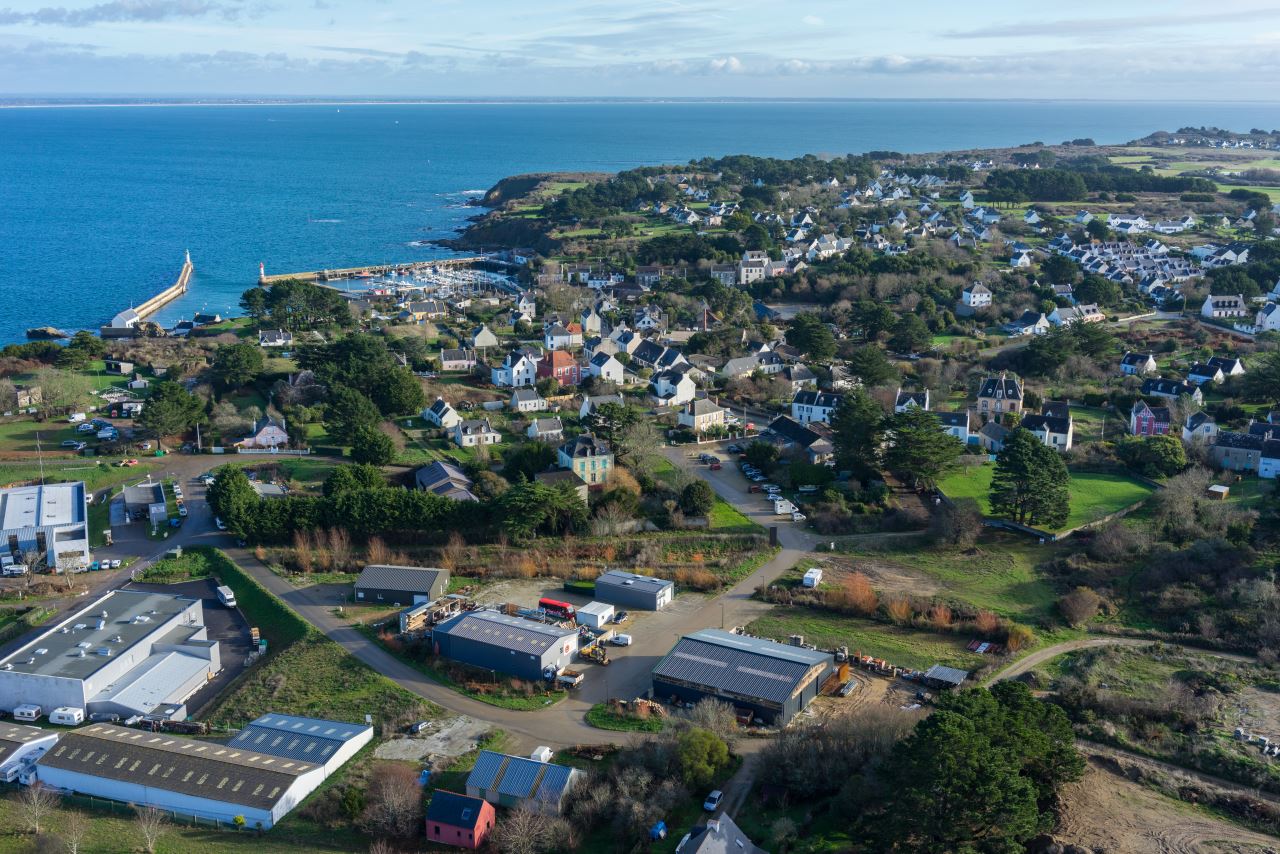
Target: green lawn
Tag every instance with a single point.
(903, 646)
(1273, 192)
(22, 435)
(727, 519)
(95, 475)
(601, 716)
(1093, 494)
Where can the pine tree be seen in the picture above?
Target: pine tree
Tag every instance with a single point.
(918, 447)
(1030, 482)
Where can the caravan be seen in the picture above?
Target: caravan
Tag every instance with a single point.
(67, 716)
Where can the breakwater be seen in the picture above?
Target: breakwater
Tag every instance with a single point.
(124, 324)
(372, 270)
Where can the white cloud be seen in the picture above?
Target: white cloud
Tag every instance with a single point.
(812, 21)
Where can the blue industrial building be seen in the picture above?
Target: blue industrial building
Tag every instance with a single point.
(511, 645)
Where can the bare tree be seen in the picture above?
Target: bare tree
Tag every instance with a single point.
(75, 831)
(381, 846)
(60, 390)
(524, 831)
(35, 804)
(151, 824)
(394, 802)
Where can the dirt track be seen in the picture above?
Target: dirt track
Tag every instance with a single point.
(1108, 812)
(1040, 656)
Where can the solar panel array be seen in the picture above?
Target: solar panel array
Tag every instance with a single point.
(742, 671)
(310, 739)
(518, 777)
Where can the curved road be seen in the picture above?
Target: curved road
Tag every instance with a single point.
(1040, 656)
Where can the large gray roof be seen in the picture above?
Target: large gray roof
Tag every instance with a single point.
(411, 578)
(751, 667)
(201, 769)
(38, 506)
(14, 736)
(309, 739)
(717, 836)
(618, 578)
(500, 630)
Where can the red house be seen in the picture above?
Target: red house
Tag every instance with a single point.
(1147, 420)
(454, 819)
(561, 365)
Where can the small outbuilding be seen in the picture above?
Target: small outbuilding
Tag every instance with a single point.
(400, 585)
(628, 590)
(514, 781)
(459, 820)
(942, 677)
(1218, 492)
(596, 615)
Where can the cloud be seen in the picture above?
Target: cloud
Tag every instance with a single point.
(118, 11)
(1110, 26)
(812, 21)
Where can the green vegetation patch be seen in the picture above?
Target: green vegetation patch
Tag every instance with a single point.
(903, 646)
(1093, 494)
(601, 716)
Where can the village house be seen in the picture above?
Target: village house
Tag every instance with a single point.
(558, 336)
(955, 424)
(266, 433)
(560, 366)
(526, 400)
(1224, 306)
(1229, 365)
(441, 414)
(800, 377)
(701, 415)
(482, 337)
(1089, 313)
(606, 367)
(1147, 420)
(1200, 428)
(26, 396)
(469, 433)
(587, 457)
(1171, 389)
(1054, 431)
(813, 440)
(809, 406)
(1240, 452)
(905, 400)
(418, 312)
(445, 479)
(1137, 364)
(671, 388)
(457, 359)
(976, 296)
(546, 430)
(275, 338)
(1030, 323)
(1201, 373)
(1267, 318)
(999, 395)
(518, 369)
(459, 820)
(591, 402)
(992, 437)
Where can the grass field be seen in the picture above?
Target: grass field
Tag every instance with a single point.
(22, 436)
(903, 646)
(601, 716)
(727, 519)
(95, 475)
(1273, 192)
(1093, 495)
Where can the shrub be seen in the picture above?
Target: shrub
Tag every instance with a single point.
(1079, 606)
(1018, 637)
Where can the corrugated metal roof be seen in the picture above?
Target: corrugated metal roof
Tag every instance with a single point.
(410, 578)
(946, 674)
(749, 667)
(499, 630)
(486, 770)
(520, 777)
(14, 736)
(310, 739)
(618, 578)
(555, 780)
(201, 769)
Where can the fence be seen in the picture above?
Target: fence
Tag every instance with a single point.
(275, 452)
(177, 817)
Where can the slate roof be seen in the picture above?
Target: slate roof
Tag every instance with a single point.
(1056, 409)
(995, 431)
(548, 425)
(750, 667)
(201, 769)
(1198, 420)
(585, 446)
(309, 739)
(411, 578)
(503, 631)
(1009, 385)
(445, 479)
(818, 398)
(519, 777)
(717, 836)
(702, 406)
(1046, 423)
(1167, 387)
(526, 395)
(953, 419)
(793, 431)
(1242, 441)
(454, 810)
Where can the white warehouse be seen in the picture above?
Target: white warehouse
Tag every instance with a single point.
(128, 653)
(20, 747)
(181, 775)
(50, 519)
(326, 743)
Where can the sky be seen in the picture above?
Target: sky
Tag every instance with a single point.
(1173, 50)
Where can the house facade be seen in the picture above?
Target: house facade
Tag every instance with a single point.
(998, 395)
(441, 414)
(266, 434)
(1146, 420)
(808, 406)
(560, 366)
(472, 432)
(701, 415)
(517, 369)
(588, 457)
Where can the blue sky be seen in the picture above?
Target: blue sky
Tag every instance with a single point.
(1170, 50)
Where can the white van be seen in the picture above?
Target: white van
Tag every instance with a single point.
(27, 712)
(67, 716)
(227, 596)
(76, 417)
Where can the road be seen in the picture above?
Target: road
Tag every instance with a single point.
(1040, 656)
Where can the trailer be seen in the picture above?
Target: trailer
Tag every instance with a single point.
(812, 577)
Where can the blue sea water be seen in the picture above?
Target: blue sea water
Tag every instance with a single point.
(97, 205)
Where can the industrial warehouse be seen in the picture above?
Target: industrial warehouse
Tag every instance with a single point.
(129, 653)
(401, 585)
(629, 590)
(511, 645)
(50, 520)
(179, 775)
(514, 781)
(20, 747)
(773, 681)
(326, 743)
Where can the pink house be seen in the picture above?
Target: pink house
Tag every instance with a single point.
(1147, 420)
(266, 433)
(459, 820)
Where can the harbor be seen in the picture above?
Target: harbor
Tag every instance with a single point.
(446, 278)
(125, 323)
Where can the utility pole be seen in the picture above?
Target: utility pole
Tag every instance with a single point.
(40, 457)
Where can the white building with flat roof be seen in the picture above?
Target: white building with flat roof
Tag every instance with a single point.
(128, 653)
(50, 519)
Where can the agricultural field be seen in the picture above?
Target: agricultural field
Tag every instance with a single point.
(1093, 494)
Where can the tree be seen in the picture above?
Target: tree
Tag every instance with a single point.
(171, 411)
(1079, 606)
(697, 499)
(1059, 270)
(372, 447)
(1096, 229)
(910, 334)
(810, 336)
(1030, 482)
(75, 830)
(1097, 289)
(527, 460)
(1262, 382)
(348, 412)
(35, 803)
(150, 823)
(857, 425)
(393, 801)
(237, 365)
(918, 447)
(396, 391)
(762, 455)
(872, 366)
(296, 305)
(608, 420)
(345, 478)
(1153, 456)
(1093, 339)
(873, 318)
(60, 390)
(701, 755)
(524, 831)
(232, 498)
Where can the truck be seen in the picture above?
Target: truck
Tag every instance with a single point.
(569, 679)
(227, 596)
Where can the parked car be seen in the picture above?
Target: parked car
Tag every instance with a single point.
(797, 516)
(182, 509)
(734, 449)
(620, 616)
(712, 803)
(755, 487)
(621, 640)
(715, 466)
(115, 563)
(71, 443)
(419, 727)
(807, 488)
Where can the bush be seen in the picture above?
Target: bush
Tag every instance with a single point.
(1079, 606)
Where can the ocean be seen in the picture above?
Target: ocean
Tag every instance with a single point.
(98, 204)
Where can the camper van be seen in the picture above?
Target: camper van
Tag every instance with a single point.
(27, 712)
(67, 716)
(227, 596)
